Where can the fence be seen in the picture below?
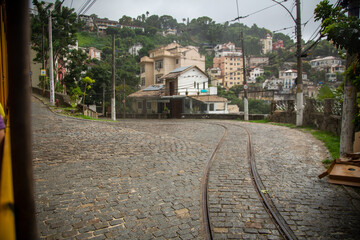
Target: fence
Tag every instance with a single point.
(323, 115)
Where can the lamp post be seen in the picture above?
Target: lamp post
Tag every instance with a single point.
(299, 84)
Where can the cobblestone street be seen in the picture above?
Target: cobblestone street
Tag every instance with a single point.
(141, 179)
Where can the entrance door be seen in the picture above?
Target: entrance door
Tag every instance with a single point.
(176, 108)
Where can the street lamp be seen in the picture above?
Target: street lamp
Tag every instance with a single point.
(299, 85)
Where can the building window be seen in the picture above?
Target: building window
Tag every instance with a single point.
(142, 68)
(177, 61)
(143, 81)
(148, 105)
(159, 64)
(194, 84)
(139, 105)
(211, 107)
(203, 85)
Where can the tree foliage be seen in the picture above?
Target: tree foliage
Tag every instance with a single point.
(64, 27)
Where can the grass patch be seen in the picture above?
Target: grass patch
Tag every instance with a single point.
(85, 117)
(260, 121)
(331, 141)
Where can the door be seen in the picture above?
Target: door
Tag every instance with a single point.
(176, 108)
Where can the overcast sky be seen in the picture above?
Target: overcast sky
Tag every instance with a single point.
(273, 18)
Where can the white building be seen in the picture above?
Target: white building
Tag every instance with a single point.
(134, 49)
(256, 72)
(188, 80)
(227, 49)
(289, 77)
(326, 62)
(274, 84)
(331, 65)
(186, 91)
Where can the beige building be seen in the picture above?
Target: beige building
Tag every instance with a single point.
(231, 70)
(164, 59)
(266, 44)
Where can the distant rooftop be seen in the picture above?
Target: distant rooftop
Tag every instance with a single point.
(180, 69)
(154, 88)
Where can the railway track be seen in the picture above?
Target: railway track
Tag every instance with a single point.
(268, 204)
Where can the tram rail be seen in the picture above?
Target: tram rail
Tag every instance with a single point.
(260, 188)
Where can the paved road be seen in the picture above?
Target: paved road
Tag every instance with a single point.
(141, 179)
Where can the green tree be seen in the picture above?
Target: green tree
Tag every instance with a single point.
(64, 27)
(87, 82)
(101, 73)
(325, 92)
(77, 66)
(126, 20)
(343, 29)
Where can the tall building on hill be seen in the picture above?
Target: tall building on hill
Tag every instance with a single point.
(231, 70)
(164, 59)
(266, 43)
(227, 49)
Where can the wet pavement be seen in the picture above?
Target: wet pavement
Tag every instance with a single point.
(141, 179)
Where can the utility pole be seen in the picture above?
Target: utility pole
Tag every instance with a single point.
(246, 104)
(51, 63)
(103, 99)
(113, 114)
(349, 104)
(43, 58)
(299, 84)
(124, 108)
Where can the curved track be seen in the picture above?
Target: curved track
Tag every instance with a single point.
(270, 207)
(204, 189)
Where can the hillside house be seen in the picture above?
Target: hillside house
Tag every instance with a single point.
(331, 65)
(267, 45)
(165, 59)
(185, 90)
(289, 77)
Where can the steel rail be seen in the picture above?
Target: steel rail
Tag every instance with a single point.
(204, 190)
(281, 224)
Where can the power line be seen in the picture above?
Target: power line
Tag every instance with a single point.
(87, 9)
(85, 4)
(240, 17)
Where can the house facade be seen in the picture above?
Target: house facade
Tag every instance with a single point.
(266, 44)
(258, 61)
(254, 73)
(163, 60)
(134, 49)
(231, 70)
(185, 90)
(289, 77)
(331, 65)
(278, 45)
(94, 53)
(227, 49)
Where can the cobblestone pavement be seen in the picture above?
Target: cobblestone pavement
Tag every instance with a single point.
(141, 179)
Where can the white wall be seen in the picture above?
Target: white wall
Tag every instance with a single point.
(187, 79)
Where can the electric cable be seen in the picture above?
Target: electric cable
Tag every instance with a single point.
(87, 9)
